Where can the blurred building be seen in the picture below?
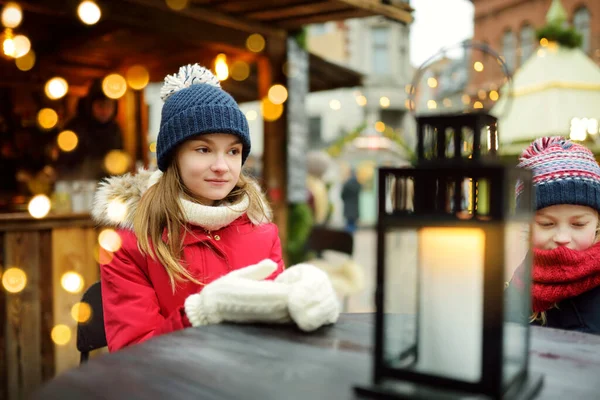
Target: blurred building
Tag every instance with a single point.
(509, 26)
(378, 49)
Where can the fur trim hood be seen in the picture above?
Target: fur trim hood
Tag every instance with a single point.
(116, 200)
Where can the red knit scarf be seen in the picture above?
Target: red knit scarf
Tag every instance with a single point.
(560, 274)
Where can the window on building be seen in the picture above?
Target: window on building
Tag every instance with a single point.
(527, 39)
(315, 139)
(318, 29)
(581, 22)
(508, 49)
(381, 50)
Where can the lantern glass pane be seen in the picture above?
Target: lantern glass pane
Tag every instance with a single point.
(517, 300)
(434, 281)
(400, 300)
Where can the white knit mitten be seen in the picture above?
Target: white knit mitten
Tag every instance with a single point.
(312, 301)
(240, 296)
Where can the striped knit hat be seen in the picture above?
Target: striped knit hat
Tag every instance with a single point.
(563, 173)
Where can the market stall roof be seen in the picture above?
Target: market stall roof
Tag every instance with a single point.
(147, 32)
(554, 86)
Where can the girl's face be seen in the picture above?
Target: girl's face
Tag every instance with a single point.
(565, 225)
(210, 165)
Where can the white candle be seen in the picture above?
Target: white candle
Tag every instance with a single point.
(451, 302)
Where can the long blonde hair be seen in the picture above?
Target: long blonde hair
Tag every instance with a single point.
(160, 208)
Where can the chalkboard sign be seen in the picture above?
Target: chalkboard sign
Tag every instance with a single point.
(297, 120)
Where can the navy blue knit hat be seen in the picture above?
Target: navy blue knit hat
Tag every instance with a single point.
(196, 104)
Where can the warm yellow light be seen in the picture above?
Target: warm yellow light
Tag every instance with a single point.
(384, 102)
(478, 66)
(335, 104)
(81, 312)
(240, 70)
(39, 206)
(67, 141)
(137, 77)
(431, 104)
(494, 95)
(221, 68)
(26, 62)
(56, 88)
(447, 102)
(102, 255)
(109, 240)
(481, 94)
(8, 46)
(22, 45)
(152, 147)
(89, 12)
(270, 111)
(543, 42)
(466, 99)
(61, 334)
(177, 5)
(379, 126)
(251, 115)
(72, 282)
(12, 15)
(255, 43)
(432, 82)
(14, 280)
(114, 86)
(407, 103)
(47, 118)
(361, 100)
(278, 94)
(117, 162)
(478, 104)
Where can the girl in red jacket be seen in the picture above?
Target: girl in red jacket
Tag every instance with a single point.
(197, 244)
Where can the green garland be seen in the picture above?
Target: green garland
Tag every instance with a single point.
(567, 37)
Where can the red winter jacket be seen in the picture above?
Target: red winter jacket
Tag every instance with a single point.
(137, 297)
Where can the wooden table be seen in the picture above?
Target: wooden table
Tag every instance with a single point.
(265, 362)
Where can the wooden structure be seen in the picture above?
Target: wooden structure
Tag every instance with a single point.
(274, 362)
(149, 33)
(44, 250)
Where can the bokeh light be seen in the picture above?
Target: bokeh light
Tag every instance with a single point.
(117, 162)
(61, 334)
(12, 15)
(47, 118)
(67, 141)
(335, 104)
(270, 111)
(278, 94)
(177, 5)
(137, 77)
(240, 70)
(114, 86)
(14, 280)
(81, 312)
(221, 67)
(56, 88)
(251, 115)
(89, 12)
(39, 206)
(361, 100)
(72, 282)
(102, 256)
(384, 102)
(26, 62)
(22, 46)
(255, 43)
(109, 240)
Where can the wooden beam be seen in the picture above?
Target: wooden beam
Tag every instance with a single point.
(375, 7)
(215, 17)
(295, 23)
(286, 11)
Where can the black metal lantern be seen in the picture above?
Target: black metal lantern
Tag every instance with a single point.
(450, 233)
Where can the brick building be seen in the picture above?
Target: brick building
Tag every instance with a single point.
(509, 26)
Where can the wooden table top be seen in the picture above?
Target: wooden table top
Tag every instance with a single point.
(280, 362)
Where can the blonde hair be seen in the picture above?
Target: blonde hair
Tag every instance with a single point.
(160, 208)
